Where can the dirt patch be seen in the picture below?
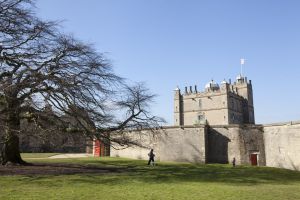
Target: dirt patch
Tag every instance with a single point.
(55, 169)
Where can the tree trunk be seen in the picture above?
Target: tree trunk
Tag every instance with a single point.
(10, 151)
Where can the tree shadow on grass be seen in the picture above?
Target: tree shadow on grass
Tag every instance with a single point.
(125, 171)
(242, 175)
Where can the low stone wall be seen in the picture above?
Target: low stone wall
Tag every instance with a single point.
(235, 141)
(146, 140)
(275, 145)
(223, 144)
(282, 145)
(252, 142)
(186, 144)
(170, 144)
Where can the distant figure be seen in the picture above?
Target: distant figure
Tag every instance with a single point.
(233, 162)
(151, 157)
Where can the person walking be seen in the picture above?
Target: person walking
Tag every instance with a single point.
(151, 157)
(233, 162)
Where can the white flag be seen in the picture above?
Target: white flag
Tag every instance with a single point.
(242, 61)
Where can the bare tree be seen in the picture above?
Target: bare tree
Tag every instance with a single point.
(45, 75)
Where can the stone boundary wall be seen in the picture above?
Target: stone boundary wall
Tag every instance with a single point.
(145, 139)
(185, 144)
(223, 144)
(282, 145)
(276, 145)
(226, 142)
(180, 144)
(252, 142)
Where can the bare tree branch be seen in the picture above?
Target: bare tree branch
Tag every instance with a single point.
(41, 68)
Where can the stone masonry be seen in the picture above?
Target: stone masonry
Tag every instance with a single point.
(216, 126)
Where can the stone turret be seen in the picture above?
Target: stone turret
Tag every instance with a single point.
(244, 89)
(177, 107)
(217, 105)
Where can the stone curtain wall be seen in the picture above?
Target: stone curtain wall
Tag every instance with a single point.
(146, 140)
(277, 145)
(170, 144)
(282, 145)
(235, 141)
(223, 144)
(251, 141)
(183, 144)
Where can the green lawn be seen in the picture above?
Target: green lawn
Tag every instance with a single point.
(38, 155)
(164, 181)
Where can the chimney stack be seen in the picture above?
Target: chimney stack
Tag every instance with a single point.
(191, 89)
(186, 91)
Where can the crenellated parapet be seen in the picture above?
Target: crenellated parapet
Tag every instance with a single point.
(218, 104)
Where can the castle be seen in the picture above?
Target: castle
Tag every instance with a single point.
(215, 126)
(217, 105)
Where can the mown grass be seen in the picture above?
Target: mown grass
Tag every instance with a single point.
(164, 181)
(38, 155)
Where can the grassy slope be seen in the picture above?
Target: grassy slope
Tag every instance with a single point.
(165, 181)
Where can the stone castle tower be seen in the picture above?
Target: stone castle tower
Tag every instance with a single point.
(217, 105)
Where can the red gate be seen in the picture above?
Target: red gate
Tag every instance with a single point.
(253, 159)
(100, 149)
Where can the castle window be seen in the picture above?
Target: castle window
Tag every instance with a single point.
(201, 119)
(200, 103)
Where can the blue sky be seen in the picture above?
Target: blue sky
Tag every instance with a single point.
(166, 43)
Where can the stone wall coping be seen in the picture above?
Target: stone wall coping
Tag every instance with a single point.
(236, 125)
(213, 126)
(282, 124)
(226, 126)
(182, 127)
(168, 127)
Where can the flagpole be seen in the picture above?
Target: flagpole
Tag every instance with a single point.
(242, 63)
(241, 69)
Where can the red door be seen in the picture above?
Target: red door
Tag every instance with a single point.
(100, 149)
(253, 159)
(97, 148)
